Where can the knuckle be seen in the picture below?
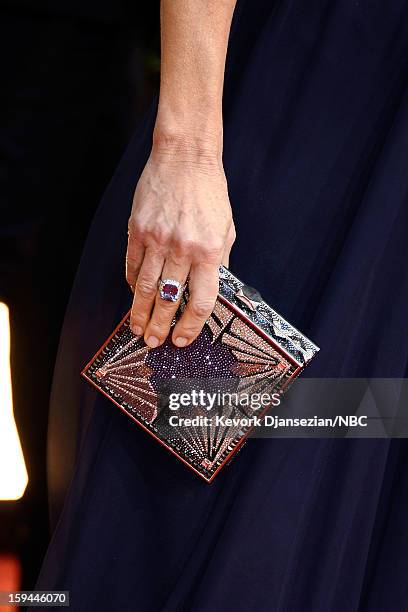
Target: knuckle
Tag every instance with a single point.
(146, 287)
(137, 318)
(201, 309)
(189, 331)
(183, 245)
(212, 250)
(159, 236)
(176, 258)
(159, 328)
(131, 263)
(134, 228)
(131, 225)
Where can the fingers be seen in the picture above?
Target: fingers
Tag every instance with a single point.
(134, 258)
(158, 327)
(146, 290)
(151, 316)
(203, 290)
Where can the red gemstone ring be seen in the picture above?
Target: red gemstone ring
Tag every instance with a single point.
(170, 290)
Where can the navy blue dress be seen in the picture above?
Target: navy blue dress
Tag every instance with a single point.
(316, 146)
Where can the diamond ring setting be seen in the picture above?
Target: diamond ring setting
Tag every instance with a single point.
(170, 290)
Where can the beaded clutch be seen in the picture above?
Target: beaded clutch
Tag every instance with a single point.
(191, 399)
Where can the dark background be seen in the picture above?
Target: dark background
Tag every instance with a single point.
(76, 77)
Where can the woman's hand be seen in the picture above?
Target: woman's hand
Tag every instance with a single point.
(181, 223)
(180, 226)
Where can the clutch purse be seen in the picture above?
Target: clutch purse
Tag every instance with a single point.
(191, 399)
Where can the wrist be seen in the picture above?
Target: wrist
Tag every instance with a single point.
(187, 146)
(193, 129)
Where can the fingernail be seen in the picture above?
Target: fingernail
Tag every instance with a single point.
(152, 341)
(180, 341)
(137, 330)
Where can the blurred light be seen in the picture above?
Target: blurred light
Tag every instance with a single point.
(10, 578)
(13, 473)
(10, 574)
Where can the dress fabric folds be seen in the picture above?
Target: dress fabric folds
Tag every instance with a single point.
(315, 152)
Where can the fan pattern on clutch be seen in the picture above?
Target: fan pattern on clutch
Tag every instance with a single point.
(125, 374)
(259, 366)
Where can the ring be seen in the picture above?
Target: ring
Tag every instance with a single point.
(170, 290)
